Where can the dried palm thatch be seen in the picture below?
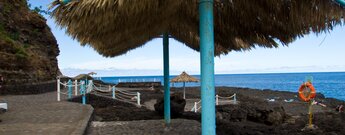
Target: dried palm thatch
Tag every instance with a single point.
(83, 76)
(113, 27)
(184, 77)
(92, 73)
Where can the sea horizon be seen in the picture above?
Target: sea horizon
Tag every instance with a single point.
(225, 74)
(330, 84)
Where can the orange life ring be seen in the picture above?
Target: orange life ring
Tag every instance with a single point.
(312, 91)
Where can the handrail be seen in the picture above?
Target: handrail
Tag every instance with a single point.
(197, 105)
(220, 97)
(110, 92)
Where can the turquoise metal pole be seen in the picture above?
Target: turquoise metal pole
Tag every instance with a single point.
(184, 90)
(65, 1)
(208, 112)
(341, 2)
(82, 91)
(69, 83)
(166, 79)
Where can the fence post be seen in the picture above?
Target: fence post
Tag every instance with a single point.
(58, 89)
(82, 91)
(65, 83)
(138, 98)
(90, 86)
(235, 100)
(195, 107)
(114, 92)
(69, 89)
(217, 100)
(75, 87)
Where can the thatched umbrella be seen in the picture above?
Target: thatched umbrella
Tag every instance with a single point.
(92, 73)
(113, 27)
(83, 76)
(184, 77)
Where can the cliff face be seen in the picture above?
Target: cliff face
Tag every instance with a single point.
(28, 49)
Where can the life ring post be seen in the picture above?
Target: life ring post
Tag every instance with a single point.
(307, 93)
(309, 79)
(311, 113)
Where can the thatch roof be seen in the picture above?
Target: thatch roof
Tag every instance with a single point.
(113, 27)
(82, 77)
(92, 73)
(184, 77)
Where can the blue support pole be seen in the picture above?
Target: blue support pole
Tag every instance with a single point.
(82, 91)
(64, 1)
(341, 2)
(69, 83)
(166, 80)
(184, 90)
(84, 99)
(208, 112)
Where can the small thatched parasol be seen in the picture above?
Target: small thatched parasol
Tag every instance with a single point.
(92, 73)
(83, 76)
(113, 27)
(184, 77)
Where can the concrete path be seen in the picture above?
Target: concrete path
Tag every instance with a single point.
(42, 115)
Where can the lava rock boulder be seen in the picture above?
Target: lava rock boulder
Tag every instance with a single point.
(177, 104)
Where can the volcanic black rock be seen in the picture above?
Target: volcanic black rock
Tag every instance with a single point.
(177, 104)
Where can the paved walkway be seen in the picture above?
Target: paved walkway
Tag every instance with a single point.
(42, 115)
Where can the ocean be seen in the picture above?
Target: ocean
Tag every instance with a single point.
(331, 84)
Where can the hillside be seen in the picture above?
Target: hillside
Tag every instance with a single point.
(28, 49)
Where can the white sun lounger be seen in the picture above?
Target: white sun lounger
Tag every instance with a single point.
(3, 105)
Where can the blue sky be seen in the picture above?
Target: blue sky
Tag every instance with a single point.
(322, 53)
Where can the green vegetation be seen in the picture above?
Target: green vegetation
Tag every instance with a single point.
(21, 54)
(8, 37)
(7, 8)
(18, 50)
(4, 36)
(38, 10)
(26, 45)
(2, 28)
(14, 36)
(36, 32)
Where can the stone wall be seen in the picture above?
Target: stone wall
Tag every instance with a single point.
(30, 88)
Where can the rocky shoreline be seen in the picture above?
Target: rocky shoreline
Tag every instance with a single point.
(256, 113)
